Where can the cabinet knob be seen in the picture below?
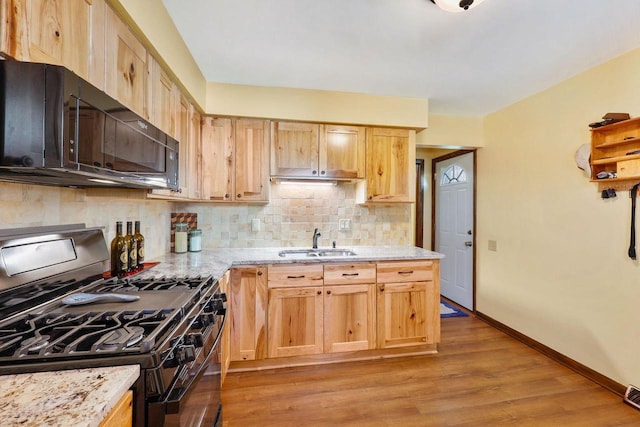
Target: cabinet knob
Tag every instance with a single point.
(259, 273)
(319, 292)
(314, 173)
(328, 292)
(322, 172)
(226, 196)
(239, 196)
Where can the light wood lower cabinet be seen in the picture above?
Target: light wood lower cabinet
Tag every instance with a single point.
(248, 303)
(122, 414)
(316, 308)
(295, 321)
(225, 356)
(408, 303)
(295, 309)
(349, 307)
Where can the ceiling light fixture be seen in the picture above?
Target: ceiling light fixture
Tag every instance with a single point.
(456, 5)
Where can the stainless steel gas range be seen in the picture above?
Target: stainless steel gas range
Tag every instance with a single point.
(170, 326)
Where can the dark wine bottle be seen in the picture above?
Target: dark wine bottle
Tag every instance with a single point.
(140, 243)
(119, 253)
(133, 248)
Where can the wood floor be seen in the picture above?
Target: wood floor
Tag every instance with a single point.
(480, 377)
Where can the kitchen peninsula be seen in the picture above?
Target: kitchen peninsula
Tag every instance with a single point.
(292, 306)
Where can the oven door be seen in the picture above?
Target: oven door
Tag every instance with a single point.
(196, 399)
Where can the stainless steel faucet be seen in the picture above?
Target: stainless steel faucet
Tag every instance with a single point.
(316, 234)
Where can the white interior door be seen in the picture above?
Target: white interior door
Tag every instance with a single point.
(454, 227)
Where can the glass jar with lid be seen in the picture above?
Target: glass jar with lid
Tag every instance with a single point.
(180, 237)
(195, 240)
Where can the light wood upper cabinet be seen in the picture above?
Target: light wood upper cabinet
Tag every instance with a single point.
(126, 65)
(390, 167)
(252, 160)
(308, 150)
(60, 32)
(248, 301)
(341, 152)
(195, 154)
(217, 158)
(161, 105)
(236, 160)
(294, 151)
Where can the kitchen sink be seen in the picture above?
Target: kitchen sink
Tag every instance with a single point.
(316, 252)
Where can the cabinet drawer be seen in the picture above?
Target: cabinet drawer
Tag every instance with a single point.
(294, 275)
(347, 274)
(628, 168)
(404, 271)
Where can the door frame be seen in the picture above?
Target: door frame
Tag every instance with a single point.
(434, 181)
(420, 188)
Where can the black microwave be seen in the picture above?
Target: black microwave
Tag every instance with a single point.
(58, 129)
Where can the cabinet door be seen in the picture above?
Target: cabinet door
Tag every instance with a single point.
(195, 154)
(125, 65)
(294, 151)
(217, 159)
(161, 103)
(185, 147)
(390, 167)
(406, 314)
(51, 31)
(295, 321)
(122, 414)
(225, 356)
(248, 301)
(252, 160)
(349, 317)
(341, 151)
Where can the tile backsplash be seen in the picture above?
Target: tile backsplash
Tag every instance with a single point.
(293, 213)
(288, 220)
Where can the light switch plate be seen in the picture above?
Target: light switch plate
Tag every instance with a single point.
(255, 224)
(493, 245)
(344, 224)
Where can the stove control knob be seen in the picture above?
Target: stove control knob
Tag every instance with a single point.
(185, 354)
(196, 340)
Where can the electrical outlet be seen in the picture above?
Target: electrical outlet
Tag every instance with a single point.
(493, 245)
(255, 224)
(344, 224)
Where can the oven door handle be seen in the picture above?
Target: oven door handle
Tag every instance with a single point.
(172, 402)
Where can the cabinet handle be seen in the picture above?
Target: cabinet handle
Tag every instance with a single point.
(350, 274)
(295, 277)
(405, 272)
(381, 288)
(328, 292)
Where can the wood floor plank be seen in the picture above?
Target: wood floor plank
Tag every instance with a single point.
(479, 377)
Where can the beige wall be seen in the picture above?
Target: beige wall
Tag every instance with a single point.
(452, 132)
(561, 274)
(316, 105)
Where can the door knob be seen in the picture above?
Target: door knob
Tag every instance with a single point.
(468, 244)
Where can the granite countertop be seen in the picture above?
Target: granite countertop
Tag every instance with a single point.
(217, 261)
(74, 398)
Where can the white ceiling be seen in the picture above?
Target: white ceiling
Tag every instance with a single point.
(469, 63)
